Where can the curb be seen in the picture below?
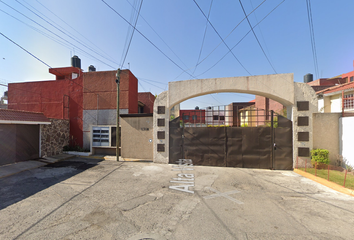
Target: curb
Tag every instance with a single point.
(50, 160)
(113, 158)
(326, 183)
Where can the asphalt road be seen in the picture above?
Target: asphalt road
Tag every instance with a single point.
(93, 199)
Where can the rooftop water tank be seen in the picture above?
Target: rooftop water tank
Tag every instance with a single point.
(76, 61)
(308, 78)
(91, 68)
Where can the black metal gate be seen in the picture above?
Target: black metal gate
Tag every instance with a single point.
(267, 146)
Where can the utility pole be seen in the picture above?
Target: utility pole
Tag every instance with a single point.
(117, 129)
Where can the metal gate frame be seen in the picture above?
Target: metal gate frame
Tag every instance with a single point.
(245, 147)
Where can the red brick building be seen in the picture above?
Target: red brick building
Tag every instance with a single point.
(146, 102)
(85, 98)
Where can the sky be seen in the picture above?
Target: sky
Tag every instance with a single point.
(176, 40)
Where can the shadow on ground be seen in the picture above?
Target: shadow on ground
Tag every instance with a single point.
(25, 184)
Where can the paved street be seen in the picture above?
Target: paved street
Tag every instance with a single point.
(94, 199)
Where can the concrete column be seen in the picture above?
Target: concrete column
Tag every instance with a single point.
(161, 101)
(303, 92)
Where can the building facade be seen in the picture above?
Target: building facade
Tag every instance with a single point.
(87, 99)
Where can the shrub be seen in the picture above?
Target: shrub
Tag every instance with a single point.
(244, 125)
(319, 156)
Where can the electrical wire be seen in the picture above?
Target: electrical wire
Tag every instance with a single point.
(241, 39)
(75, 30)
(312, 36)
(39, 31)
(254, 33)
(64, 32)
(146, 38)
(141, 16)
(51, 68)
(221, 38)
(131, 38)
(260, 30)
(57, 35)
(205, 31)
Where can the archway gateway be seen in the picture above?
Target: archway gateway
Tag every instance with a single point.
(299, 99)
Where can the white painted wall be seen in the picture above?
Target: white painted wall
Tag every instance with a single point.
(346, 134)
(336, 103)
(321, 105)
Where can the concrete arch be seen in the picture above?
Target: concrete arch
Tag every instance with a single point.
(279, 87)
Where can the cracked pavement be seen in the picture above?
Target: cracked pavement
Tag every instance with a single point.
(93, 199)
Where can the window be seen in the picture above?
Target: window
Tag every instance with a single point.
(222, 118)
(194, 117)
(349, 101)
(185, 117)
(243, 115)
(140, 109)
(215, 117)
(351, 79)
(105, 136)
(100, 136)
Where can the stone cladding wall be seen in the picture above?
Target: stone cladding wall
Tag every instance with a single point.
(54, 137)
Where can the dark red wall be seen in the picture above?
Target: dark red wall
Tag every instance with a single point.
(148, 99)
(48, 97)
(199, 113)
(104, 84)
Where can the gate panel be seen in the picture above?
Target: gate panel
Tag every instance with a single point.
(176, 141)
(231, 146)
(206, 146)
(265, 147)
(234, 147)
(283, 159)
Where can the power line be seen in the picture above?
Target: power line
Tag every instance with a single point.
(39, 31)
(260, 30)
(222, 38)
(241, 39)
(152, 84)
(312, 36)
(25, 50)
(221, 43)
(57, 35)
(256, 36)
(205, 31)
(74, 29)
(146, 38)
(43, 62)
(64, 32)
(231, 32)
(131, 38)
(158, 36)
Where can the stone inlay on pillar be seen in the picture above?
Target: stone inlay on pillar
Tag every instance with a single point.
(160, 147)
(161, 135)
(303, 121)
(161, 110)
(161, 122)
(303, 151)
(303, 136)
(303, 105)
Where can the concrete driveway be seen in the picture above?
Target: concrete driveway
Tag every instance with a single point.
(94, 199)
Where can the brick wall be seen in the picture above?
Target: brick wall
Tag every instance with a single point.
(148, 99)
(59, 99)
(100, 91)
(54, 137)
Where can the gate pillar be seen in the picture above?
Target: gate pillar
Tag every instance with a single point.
(305, 105)
(161, 119)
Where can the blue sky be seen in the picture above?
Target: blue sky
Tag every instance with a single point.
(91, 30)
